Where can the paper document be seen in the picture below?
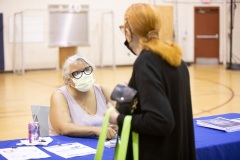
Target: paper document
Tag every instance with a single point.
(42, 141)
(111, 143)
(236, 119)
(23, 153)
(70, 150)
(220, 123)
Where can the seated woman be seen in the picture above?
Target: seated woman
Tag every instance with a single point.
(77, 108)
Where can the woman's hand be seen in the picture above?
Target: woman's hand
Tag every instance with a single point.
(125, 83)
(113, 116)
(111, 133)
(113, 126)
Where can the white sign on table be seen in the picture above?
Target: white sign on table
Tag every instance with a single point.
(23, 153)
(70, 150)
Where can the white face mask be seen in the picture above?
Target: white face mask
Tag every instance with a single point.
(84, 83)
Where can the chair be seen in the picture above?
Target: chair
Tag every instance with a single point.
(40, 115)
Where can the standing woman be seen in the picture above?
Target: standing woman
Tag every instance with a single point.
(77, 108)
(163, 117)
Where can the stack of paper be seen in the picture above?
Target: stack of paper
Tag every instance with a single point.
(220, 124)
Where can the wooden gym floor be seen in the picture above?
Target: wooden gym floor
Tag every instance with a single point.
(215, 90)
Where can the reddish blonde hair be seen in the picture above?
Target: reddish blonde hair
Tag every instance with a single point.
(144, 20)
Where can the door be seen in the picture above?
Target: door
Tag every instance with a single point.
(206, 35)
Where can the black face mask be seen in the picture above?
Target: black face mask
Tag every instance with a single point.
(127, 45)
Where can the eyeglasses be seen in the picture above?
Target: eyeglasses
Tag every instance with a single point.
(122, 28)
(78, 74)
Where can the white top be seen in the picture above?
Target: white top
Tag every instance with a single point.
(78, 115)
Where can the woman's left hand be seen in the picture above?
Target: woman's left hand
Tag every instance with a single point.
(113, 116)
(113, 126)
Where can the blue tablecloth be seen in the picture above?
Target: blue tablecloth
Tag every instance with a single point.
(210, 144)
(215, 144)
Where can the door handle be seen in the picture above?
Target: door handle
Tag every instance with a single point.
(207, 36)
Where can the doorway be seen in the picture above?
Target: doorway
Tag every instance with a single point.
(206, 36)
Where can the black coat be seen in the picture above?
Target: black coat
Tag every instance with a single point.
(163, 117)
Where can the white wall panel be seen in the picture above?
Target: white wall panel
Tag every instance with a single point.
(39, 56)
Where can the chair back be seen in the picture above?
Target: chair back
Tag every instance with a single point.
(40, 115)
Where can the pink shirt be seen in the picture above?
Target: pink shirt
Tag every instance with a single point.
(78, 115)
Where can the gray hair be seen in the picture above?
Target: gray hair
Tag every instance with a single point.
(70, 60)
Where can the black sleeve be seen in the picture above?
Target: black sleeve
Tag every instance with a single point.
(156, 117)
